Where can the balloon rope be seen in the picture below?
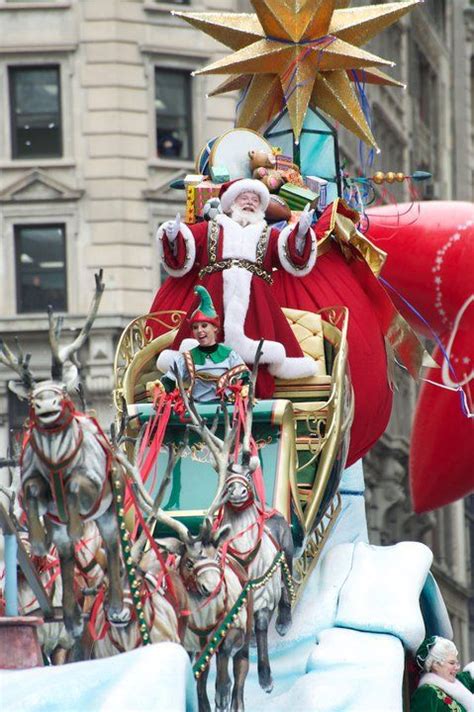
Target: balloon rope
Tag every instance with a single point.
(458, 388)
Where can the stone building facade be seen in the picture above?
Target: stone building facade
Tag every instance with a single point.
(99, 113)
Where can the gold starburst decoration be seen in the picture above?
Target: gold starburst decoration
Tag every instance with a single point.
(300, 53)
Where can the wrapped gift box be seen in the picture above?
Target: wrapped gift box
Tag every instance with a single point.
(284, 163)
(201, 194)
(319, 186)
(294, 177)
(219, 174)
(296, 196)
(193, 179)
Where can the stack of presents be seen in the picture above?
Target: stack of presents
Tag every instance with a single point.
(281, 176)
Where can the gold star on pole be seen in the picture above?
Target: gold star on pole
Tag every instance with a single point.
(300, 53)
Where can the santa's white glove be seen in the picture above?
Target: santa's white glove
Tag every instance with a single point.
(306, 218)
(172, 228)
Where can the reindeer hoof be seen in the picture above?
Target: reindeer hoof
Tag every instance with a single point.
(266, 682)
(283, 622)
(119, 618)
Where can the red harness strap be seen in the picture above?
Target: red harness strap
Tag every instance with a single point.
(57, 470)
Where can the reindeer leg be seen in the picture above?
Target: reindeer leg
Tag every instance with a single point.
(223, 683)
(283, 621)
(262, 619)
(241, 668)
(71, 610)
(35, 497)
(117, 613)
(81, 495)
(203, 699)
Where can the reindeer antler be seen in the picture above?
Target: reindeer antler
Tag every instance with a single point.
(158, 514)
(246, 452)
(18, 363)
(219, 448)
(66, 353)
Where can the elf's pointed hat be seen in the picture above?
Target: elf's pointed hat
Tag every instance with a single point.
(205, 310)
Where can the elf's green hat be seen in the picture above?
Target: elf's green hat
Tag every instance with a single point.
(424, 650)
(205, 310)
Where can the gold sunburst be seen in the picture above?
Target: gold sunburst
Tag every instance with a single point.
(300, 53)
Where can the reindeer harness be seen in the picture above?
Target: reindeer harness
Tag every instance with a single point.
(58, 469)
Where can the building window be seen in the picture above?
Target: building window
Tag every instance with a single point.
(35, 110)
(17, 414)
(173, 113)
(40, 252)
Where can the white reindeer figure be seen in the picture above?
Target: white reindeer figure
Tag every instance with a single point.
(212, 585)
(255, 536)
(65, 462)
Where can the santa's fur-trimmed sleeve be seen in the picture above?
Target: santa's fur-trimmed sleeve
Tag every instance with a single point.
(178, 257)
(296, 263)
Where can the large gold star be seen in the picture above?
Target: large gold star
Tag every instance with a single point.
(300, 53)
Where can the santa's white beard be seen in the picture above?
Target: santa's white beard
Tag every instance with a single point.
(246, 217)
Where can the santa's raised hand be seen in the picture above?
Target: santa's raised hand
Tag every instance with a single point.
(172, 228)
(305, 221)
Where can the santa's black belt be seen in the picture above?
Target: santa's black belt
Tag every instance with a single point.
(242, 263)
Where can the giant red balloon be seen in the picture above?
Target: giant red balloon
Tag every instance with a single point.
(430, 262)
(430, 250)
(442, 448)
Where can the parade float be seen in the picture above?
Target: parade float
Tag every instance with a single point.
(204, 522)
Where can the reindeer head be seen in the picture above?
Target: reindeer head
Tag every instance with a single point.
(49, 401)
(200, 564)
(239, 491)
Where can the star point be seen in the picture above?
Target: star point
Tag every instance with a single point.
(300, 53)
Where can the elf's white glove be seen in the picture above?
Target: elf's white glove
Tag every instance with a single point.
(306, 218)
(172, 228)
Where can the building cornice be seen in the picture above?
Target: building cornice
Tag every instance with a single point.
(32, 49)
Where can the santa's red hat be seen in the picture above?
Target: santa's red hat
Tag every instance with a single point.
(234, 188)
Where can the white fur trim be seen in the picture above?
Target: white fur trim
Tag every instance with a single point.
(167, 357)
(236, 282)
(239, 242)
(241, 186)
(456, 689)
(295, 367)
(470, 669)
(286, 263)
(190, 245)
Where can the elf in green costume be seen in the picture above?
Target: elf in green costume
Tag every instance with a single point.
(442, 687)
(210, 368)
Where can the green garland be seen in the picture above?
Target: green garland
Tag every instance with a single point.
(221, 631)
(129, 565)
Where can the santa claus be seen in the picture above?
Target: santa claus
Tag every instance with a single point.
(235, 255)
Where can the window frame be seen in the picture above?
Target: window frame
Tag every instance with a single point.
(17, 226)
(62, 55)
(13, 69)
(177, 71)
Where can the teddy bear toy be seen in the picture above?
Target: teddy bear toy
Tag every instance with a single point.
(263, 167)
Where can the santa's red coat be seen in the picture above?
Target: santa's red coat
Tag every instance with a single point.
(334, 281)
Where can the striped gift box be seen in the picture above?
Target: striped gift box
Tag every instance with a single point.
(296, 196)
(284, 163)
